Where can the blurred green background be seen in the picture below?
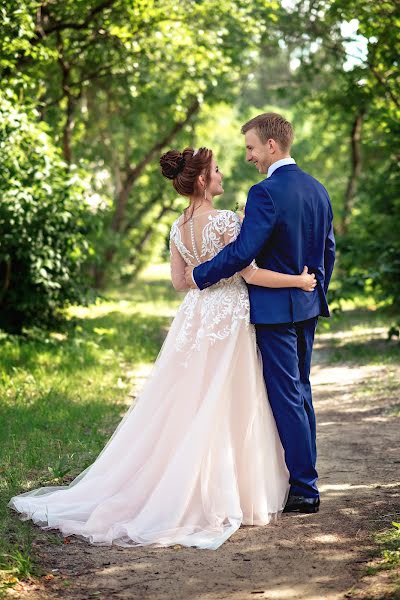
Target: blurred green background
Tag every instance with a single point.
(94, 91)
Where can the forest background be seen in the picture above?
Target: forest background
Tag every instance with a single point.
(94, 91)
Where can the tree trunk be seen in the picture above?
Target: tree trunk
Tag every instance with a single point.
(148, 232)
(356, 164)
(68, 128)
(6, 280)
(65, 68)
(133, 173)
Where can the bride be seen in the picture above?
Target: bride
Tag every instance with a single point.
(198, 454)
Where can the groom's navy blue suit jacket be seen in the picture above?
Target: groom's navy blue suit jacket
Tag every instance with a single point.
(287, 225)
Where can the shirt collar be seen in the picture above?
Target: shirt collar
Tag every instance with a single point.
(280, 163)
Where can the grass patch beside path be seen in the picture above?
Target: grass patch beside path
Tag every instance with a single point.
(62, 394)
(388, 542)
(381, 579)
(360, 336)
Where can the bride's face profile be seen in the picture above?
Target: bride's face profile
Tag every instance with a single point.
(216, 176)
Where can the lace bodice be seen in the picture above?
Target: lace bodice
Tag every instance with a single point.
(196, 240)
(211, 314)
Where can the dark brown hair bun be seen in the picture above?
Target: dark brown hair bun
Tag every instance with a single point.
(172, 163)
(183, 168)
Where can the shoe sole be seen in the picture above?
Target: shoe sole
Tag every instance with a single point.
(305, 510)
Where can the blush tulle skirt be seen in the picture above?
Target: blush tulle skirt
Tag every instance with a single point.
(194, 458)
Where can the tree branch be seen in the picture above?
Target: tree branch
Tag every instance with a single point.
(355, 141)
(134, 172)
(60, 26)
(383, 83)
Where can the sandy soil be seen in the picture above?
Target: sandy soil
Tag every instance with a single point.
(302, 557)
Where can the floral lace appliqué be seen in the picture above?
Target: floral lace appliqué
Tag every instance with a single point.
(214, 313)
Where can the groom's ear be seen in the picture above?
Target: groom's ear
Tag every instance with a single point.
(272, 146)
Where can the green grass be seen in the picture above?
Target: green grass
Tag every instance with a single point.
(62, 394)
(387, 558)
(388, 543)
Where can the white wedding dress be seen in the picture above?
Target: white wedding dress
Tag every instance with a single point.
(198, 454)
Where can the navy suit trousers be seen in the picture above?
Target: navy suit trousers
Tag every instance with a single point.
(286, 354)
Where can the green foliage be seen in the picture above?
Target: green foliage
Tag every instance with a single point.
(113, 84)
(371, 247)
(118, 83)
(347, 72)
(44, 223)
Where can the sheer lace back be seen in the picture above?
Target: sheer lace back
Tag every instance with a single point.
(205, 234)
(198, 239)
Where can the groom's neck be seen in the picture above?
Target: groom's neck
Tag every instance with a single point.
(280, 157)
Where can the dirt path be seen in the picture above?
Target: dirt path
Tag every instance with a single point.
(305, 557)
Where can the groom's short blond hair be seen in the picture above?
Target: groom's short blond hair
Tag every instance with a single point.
(271, 126)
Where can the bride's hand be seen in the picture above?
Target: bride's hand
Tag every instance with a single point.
(307, 280)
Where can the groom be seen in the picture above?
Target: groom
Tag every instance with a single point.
(287, 224)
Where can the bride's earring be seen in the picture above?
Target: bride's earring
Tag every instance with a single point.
(205, 193)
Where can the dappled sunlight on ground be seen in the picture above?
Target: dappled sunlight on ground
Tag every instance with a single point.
(342, 375)
(354, 333)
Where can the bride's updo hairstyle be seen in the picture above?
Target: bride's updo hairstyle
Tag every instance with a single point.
(184, 168)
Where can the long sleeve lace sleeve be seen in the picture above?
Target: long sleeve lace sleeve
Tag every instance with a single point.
(177, 266)
(266, 278)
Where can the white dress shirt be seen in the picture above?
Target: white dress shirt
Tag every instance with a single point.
(279, 163)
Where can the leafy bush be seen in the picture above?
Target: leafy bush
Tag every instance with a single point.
(370, 252)
(44, 223)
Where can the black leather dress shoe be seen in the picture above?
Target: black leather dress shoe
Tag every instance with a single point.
(302, 504)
